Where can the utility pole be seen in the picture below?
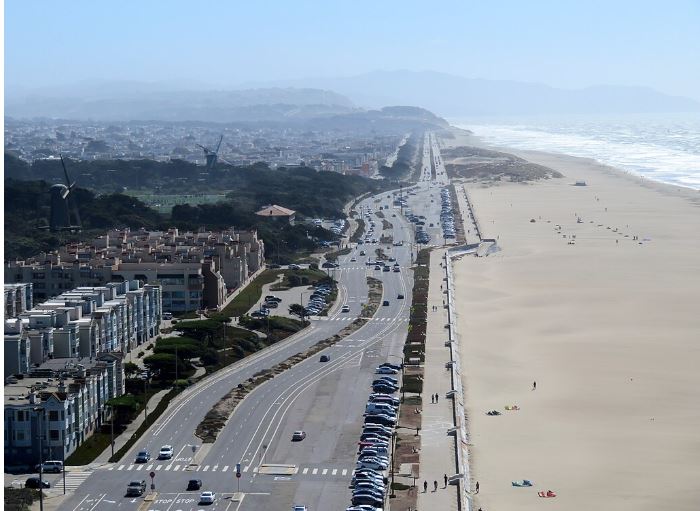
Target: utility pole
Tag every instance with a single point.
(63, 460)
(176, 366)
(41, 457)
(145, 399)
(111, 412)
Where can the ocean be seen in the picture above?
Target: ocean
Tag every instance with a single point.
(662, 148)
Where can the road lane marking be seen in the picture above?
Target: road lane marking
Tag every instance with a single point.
(305, 471)
(206, 468)
(177, 467)
(314, 471)
(345, 471)
(335, 471)
(121, 467)
(225, 468)
(138, 467)
(325, 471)
(159, 467)
(245, 469)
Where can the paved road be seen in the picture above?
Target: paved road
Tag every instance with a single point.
(324, 399)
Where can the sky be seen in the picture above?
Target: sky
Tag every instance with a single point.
(226, 43)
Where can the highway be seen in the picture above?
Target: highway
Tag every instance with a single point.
(326, 400)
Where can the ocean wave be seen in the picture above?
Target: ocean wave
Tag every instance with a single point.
(665, 152)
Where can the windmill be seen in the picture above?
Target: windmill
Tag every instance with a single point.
(61, 195)
(210, 155)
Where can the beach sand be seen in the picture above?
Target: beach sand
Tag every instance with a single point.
(608, 327)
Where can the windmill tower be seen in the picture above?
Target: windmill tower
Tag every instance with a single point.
(210, 155)
(61, 202)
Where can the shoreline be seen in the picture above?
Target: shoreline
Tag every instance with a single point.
(607, 326)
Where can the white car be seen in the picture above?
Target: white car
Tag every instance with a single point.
(346, 308)
(385, 370)
(207, 497)
(166, 452)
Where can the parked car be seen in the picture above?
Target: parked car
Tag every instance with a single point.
(385, 370)
(346, 308)
(324, 358)
(399, 297)
(36, 483)
(294, 267)
(385, 303)
(51, 466)
(298, 436)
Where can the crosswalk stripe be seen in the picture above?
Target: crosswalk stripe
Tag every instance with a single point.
(225, 468)
(335, 471)
(205, 468)
(169, 467)
(305, 471)
(345, 471)
(139, 467)
(159, 467)
(110, 468)
(213, 469)
(325, 471)
(150, 467)
(245, 469)
(121, 467)
(314, 471)
(177, 467)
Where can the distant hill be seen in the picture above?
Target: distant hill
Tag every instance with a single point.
(454, 96)
(134, 101)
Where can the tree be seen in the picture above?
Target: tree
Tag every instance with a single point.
(131, 369)
(296, 309)
(163, 364)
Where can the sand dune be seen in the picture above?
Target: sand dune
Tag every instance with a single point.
(608, 326)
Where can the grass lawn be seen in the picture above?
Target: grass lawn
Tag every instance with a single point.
(250, 295)
(89, 449)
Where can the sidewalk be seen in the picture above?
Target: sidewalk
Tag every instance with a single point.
(437, 451)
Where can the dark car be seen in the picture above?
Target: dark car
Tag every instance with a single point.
(385, 303)
(325, 358)
(34, 482)
(194, 484)
(143, 457)
(399, 297)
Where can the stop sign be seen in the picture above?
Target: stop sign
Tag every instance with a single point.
(152, 474)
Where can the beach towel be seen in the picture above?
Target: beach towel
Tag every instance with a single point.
(522, 484)
(546, 494)
(512, 407)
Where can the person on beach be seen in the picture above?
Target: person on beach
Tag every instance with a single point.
(477, 487)
(436, 397)
(534, 385)
(425, 486)
(445, 477)
(432, 398)
(434, 485)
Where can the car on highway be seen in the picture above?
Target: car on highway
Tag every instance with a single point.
(300, 508)
(385, 303)
(377, 267)
(399, 297)
(346, 308)
(166, 452)
(143, 456)
(329, 264)
(353, 259)
(325, 358)
(298, 436)
(36, 483)
(194, 484)
(207, 497)
(136, 488)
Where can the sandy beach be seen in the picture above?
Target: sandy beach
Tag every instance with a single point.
(606, 324)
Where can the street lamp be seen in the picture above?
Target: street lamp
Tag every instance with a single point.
(40, 411)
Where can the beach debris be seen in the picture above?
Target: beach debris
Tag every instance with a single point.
(512, 407)
(493, 412)
(546, 494)
(532, 220)
(522, 484)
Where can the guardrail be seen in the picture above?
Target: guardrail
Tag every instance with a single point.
(475, 221)
(460, 431)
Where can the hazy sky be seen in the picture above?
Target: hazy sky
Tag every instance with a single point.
(224, 43)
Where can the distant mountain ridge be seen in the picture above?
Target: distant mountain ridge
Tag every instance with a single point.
(454, 96)
(126, 101)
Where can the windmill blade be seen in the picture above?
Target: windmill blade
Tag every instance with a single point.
(206, 150)
(69, 186)
(79, 224)
(219, 144)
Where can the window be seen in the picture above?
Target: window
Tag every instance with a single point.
(53, 434)
(21, 415)
(53, 415)
(19, 435)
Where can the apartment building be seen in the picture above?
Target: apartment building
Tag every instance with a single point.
(18, 298)
(195, 269)
(63, 401)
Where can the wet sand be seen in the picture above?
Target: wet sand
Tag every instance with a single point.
(608, 326)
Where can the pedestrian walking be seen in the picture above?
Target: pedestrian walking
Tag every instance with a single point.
(425, 486)
(432, 398)
(434, 485)
(437, 396)
(534, 385)
(477, 487)
(445, 477)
